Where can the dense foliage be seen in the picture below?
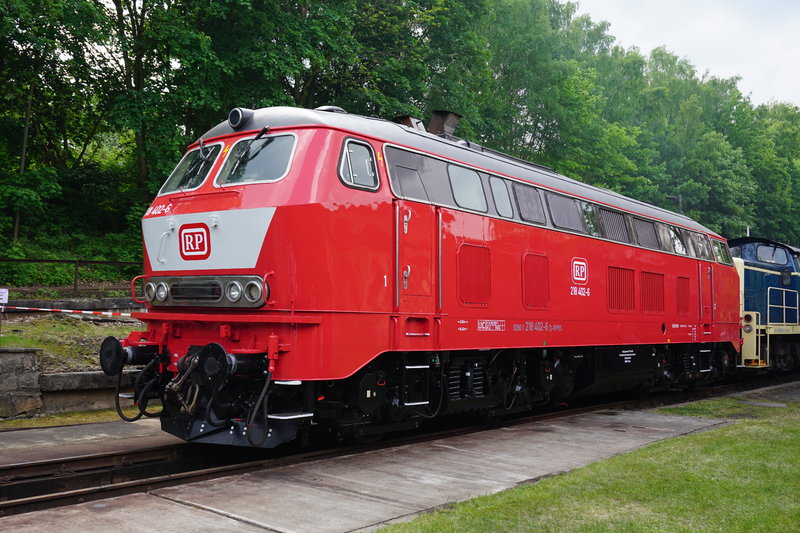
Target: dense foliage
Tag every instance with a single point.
(99, 98)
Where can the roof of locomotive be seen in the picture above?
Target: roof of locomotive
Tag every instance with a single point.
(457, 150)
(745, 240)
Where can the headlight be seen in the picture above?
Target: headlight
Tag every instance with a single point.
(233, 291)
(253, 291)
(238, 116)
(748, 328)
(161, 292)
(206, 291)
(149, 292)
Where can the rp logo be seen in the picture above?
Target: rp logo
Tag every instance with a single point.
(580, 271)
(195, 241)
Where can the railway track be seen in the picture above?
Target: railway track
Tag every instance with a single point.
(68, 480)
(39, 485)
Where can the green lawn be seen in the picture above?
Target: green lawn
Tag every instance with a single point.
(743, 477)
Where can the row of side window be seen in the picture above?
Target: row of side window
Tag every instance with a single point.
(418, 177)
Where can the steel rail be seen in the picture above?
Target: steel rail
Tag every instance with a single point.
(55, 469)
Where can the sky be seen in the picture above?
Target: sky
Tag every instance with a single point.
(757, 40)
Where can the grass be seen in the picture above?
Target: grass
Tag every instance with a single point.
(731, 408)
(743, 477)
(69, 343)
(70, 418)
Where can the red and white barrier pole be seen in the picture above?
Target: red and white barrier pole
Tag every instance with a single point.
(102, 313)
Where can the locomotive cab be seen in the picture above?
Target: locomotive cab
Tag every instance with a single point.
(243, 266)
(770, 281)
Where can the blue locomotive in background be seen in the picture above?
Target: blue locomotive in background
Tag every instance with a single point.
(770, 276)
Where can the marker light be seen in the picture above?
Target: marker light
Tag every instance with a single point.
(149, 292)
(233, 291)
(162, 291)
(253, 291)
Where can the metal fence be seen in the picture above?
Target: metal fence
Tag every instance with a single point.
(77, 264)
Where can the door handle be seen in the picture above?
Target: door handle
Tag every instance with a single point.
(171, 227)
(406, 275)
(406, 220)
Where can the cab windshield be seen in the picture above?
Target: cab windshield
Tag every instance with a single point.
(191, 170)
(257, 160)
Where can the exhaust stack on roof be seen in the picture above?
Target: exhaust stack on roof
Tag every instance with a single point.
(443, 122)
(410, 122)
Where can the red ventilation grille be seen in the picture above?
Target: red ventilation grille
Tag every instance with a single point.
(682, 296)
(535, 280)
(474, 274)
(652, 287)
(621, 296)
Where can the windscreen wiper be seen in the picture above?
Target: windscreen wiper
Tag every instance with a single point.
(203, 155)
(244, 155)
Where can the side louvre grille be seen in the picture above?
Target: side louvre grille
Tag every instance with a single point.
(620, 289)
(535, 280)
(474, 274)
(652, 288)
(682, 296)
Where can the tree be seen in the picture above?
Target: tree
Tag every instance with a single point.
(52, 113)
(716, 185)
(110, 92)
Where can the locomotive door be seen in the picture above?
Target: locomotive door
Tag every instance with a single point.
(415, 249)
(706, 280)
(705, 273)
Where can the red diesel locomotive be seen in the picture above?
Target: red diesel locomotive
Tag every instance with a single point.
(320, 269)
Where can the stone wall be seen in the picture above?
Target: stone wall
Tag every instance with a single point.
(82, 391)
(26, 392)
(19, 382)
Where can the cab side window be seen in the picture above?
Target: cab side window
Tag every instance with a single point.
(767, 253)
(357, 166)
(722, 253)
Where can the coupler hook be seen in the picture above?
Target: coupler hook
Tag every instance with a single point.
(178, 381)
